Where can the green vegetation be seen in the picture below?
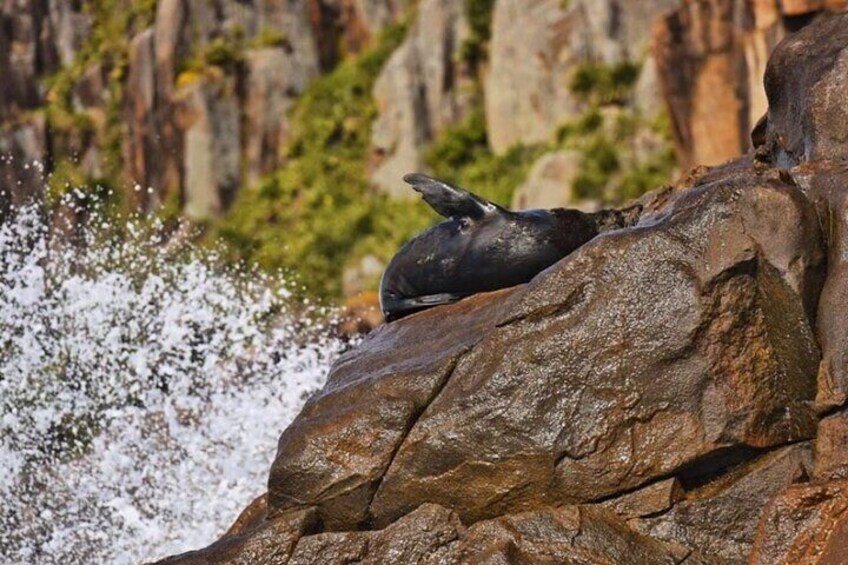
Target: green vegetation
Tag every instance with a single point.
(474, 49)
(462, 155)
(605, 84)
(318, 211)
(611, 172)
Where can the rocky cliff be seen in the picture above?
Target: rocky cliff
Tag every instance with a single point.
(673, 392)
(192, 108)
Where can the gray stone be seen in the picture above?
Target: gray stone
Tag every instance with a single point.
(423, 89)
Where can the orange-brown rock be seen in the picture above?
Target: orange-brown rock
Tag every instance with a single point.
(711, 55)
(831, 455)
(806, 524)
(259, 541)
(367, 407)
(720, 518)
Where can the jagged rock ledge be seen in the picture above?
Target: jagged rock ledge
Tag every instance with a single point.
(672, 392)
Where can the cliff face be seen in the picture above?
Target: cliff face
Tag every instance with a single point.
(711, 56)
(186, 104)
(671, 392)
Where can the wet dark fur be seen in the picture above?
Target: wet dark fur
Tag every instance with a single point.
(480, 247)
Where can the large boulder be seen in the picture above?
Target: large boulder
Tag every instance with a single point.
(650, 351)
(806, 85)
(670, 347)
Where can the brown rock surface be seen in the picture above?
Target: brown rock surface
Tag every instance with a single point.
(367, 407)
(720, 518)
(645, 352)
(831, 455)
(676, 361)
(805, 82)
(267, 542)
(806, 524)
(825, 185)
(426, 535)
(571, 534)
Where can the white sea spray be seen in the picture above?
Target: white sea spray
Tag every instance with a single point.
(142, 390)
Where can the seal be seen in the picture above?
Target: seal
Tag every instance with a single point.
(480, 247)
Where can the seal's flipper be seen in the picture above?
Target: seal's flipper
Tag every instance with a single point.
(448, 200)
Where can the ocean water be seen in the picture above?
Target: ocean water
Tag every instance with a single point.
(143, 387)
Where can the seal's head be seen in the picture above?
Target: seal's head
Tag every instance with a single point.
(479, 247)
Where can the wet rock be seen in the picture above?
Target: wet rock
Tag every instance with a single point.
(269, 542)
(832, 447)
(825, 185)
(805, 524)
(571, 534)
(647, 351)
(720, 518)
(338, 449)
(426, 535)
(805, 83)
(423, 89)
(653, 499)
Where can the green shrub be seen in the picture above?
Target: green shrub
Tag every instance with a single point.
(474, 49)
(605, 84)
(648, 176)
(462, 155)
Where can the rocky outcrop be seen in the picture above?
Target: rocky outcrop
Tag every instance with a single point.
(347, 26)
(536, 48)
(537, 411)
(805, 524)
(221, 121)
(424, 88)
(711, 56)
(670, 392)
